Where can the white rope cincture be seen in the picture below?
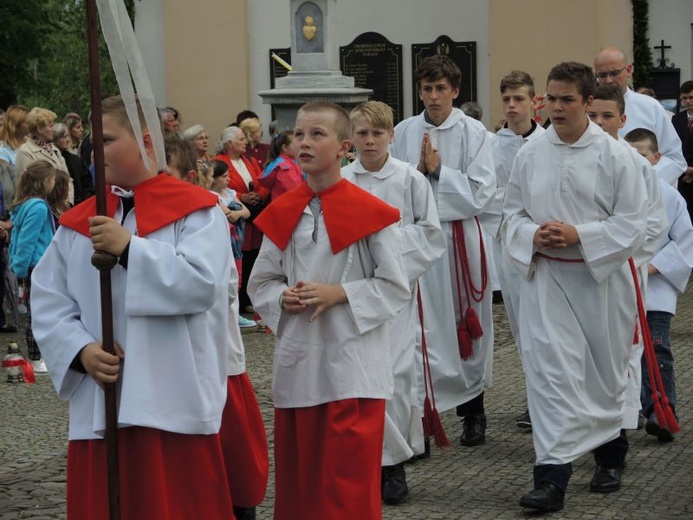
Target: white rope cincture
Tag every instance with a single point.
(129, 67)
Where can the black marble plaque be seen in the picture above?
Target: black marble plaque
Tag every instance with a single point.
(376, 63)
(276, 69)
(462, 53)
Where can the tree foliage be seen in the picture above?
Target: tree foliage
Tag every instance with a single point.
(47, 56)
(642, 54)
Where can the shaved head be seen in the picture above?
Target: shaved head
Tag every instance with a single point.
(611, 66)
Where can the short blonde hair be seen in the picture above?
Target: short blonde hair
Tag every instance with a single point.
(250, 126)
(39, 117)
(114, 107)
(377, 113)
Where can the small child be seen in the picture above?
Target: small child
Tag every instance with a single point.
(236, 213)
(170, 325)
(668, 273)
(328, 278)
(608, 112)
(32, 231)
(422, 243)
(281, 173)
(58, 197)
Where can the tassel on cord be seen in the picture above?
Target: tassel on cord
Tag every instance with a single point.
(469, 328)
(473, 324)
(464, 341)
(663, 412)
(431, 418)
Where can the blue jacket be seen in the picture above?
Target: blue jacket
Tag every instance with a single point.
(32, 231)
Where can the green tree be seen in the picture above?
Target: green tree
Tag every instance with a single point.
(59, 70)
(642, 54)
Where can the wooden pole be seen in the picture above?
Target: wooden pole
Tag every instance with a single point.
(104, 262)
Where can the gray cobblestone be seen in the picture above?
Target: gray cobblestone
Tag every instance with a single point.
(483, 482)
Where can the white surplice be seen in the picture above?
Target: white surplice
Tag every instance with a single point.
(674, 259)
(345, 352)
(646, 112)
(170, 316)
(657, 224)
(576, 318)
(506, 144)
(421, 243)
(465, 187)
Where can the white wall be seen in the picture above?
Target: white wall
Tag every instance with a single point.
(150, 30)
(400, 21)
(671, 21)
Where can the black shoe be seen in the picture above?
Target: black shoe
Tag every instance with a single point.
(244, 513)
(524, 422)
(497, 298)
(473, 430)
(394, 484)
(653, 428)
(426, 454)
(641, 421)
(606, 480)
(547, 497)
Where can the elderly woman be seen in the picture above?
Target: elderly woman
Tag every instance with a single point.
(75, 129)
(39, 143)
(243, 175)
(78, 171)
(198, 136)
(253, 133)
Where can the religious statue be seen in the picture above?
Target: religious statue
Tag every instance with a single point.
(309, 29)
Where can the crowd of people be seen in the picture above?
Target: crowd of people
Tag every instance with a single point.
(375, 271)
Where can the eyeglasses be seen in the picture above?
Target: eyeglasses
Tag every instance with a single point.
(610, 73)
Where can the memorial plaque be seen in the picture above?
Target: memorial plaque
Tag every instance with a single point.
(376, 63)
(276, 69)
(462, 53)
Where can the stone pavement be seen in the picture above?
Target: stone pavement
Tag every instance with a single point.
(484, 482)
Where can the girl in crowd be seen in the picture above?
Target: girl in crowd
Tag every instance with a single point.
(253, 133)
(243, 178)
(236, 213)
(13, 133)
(33, 231)
(75, 129)
(78, 171)
(281, 173)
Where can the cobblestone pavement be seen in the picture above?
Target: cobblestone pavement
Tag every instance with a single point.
(483, 482)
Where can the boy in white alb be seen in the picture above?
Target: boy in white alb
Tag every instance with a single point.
(574, 212)
(608, 112)
(422, 243)
(454, 152)
(170, 314)
(328, 279)
(668, 274)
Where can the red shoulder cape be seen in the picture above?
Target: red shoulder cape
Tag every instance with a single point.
(350, 214)
(160, 201)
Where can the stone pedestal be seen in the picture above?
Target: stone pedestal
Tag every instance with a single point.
(315, 74)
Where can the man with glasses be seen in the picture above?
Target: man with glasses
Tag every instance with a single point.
(611, 66)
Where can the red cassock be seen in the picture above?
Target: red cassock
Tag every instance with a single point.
(244, 443)
(327, 457)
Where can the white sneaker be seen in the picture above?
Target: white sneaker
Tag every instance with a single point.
(245, 323)
(21, 308)
(39, 366)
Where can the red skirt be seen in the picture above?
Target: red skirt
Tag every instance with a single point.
(163, 476)
(327, 460)
(244, 443)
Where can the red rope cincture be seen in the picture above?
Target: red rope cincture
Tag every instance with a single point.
(469, 328)
(432, 424)
(664, 413)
